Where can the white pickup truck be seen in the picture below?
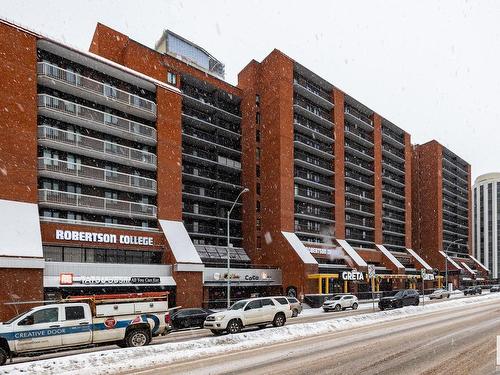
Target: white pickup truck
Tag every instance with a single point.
(86, 321)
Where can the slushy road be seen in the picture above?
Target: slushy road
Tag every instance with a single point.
(441, 342)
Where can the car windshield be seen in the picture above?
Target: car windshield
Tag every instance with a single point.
(399, 294)
(238, 305)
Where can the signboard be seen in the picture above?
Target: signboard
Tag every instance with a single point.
(70, 279)
(428, 277)
(352, 275)
(242, 276)
(371, 271)
(80, 236)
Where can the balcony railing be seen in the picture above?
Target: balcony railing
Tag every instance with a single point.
(298, 79)
(104, 122)
(96, 204)
(100, 88)
(93, 174)
(358, 133)
(96, 146)
(355, 113)
(311, 125)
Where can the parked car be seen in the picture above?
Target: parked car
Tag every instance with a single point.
(495, 288)
(250, 312)
(405, 297)
(479, 290)
(187, 318)
(341, 302)
(296, 306)
(471, 290)
(439, 293)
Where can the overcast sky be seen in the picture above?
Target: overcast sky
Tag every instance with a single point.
(430, 67)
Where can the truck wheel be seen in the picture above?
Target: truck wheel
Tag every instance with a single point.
(3, 356)
(279, 320)
(137, 337)
(234, 326)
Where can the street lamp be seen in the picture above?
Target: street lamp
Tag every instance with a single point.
(245, 190)
(446, 259)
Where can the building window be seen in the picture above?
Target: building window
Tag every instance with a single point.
(257, 171)
(257, 100)
(257, 135)
(172, 78)
(257, 206)
(258, 188)
(257, 118)
(257, 153)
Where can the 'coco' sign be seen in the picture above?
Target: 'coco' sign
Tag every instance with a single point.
(352, 276)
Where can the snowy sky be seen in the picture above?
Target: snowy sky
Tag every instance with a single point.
(429, 66)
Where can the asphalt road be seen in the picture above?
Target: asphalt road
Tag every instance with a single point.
(193, 334)
(452, 342)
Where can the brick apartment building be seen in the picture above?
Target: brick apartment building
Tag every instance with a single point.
(119, 167)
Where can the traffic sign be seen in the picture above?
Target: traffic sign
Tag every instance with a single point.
(371, 271)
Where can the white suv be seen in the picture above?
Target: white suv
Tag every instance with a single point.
(341, 302)
(250, 312)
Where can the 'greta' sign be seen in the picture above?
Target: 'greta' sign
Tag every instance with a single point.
(75, 235)
(352, 276)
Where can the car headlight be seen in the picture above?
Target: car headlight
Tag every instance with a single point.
(219, 318)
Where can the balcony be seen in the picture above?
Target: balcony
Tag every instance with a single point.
(315, 165)
(312, 129)
(70, 82)
(311, 92)
(391, 137)
(359, 136)
(207, 195)
(393, 181)
(314, 217)
(209, 178)
(93, 147)
(201, 103)
(358, 118)
(314, 197)
(320, 182)
(394, 205)
(392, 153)
(398, 219)
(359, 151)
(206, 140)
(311, 147)
(366, 198)
(93, 176)
(359, 180)
(359, 166)
(97, 223)
(90, 118)
(95, 205)
(358, 208)
(303, 108)
(209, 123)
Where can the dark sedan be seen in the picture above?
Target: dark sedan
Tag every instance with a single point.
(188, 318)
(408, 297)
(495, 289)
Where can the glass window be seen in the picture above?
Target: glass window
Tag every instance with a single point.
(74, 312)
(42, 316)
(172, 78)
(256, 304)
(73, 254)
(267, 302)
(282, 300)
(53, 253)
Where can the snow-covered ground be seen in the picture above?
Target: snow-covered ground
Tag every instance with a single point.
(114, 361)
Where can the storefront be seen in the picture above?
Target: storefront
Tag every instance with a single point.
(244, 283)
(63, 279)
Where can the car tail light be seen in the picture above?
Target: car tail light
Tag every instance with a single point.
(167, 318)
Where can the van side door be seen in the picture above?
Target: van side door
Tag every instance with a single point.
(77, 325)
(39, 330)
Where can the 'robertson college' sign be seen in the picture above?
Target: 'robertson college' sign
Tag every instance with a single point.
(74, 235)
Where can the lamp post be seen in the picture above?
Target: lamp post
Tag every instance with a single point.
(245, 190)
(446, 260)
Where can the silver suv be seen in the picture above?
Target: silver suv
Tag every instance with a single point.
(341, 302)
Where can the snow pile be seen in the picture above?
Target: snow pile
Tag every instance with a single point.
(118, 360)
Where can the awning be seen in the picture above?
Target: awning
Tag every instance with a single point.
(391, 257)
(455, 264)
(479, 263)
(20, 235)
(299, 248)
(468, 268)
(178, 239)
(360, 262)
(422, 262)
